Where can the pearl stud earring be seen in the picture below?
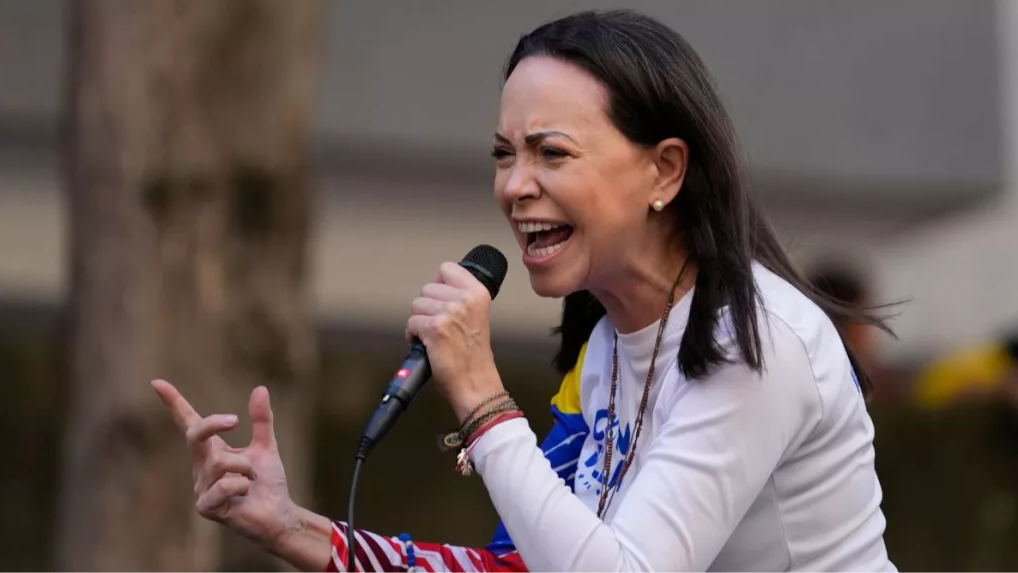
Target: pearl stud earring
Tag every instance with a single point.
(658, 205)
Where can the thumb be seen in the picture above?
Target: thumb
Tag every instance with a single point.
(261, 418)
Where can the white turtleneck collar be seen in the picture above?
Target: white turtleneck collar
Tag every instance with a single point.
(636, 348)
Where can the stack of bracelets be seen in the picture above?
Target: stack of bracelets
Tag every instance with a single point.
(492, 411)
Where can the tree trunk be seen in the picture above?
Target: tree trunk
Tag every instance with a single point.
(189, 206)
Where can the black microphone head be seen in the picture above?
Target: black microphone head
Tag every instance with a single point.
(488, 265)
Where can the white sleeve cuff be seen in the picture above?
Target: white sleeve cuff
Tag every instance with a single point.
(497, 438)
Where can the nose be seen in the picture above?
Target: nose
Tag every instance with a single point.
(521, 183)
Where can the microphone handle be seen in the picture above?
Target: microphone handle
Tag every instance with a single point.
(404, 387)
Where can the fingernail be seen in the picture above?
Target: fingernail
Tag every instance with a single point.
(231, 419)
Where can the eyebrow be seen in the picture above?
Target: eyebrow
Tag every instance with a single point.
(533, 138)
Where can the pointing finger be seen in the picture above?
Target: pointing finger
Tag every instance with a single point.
(262, 432)
(183, 413)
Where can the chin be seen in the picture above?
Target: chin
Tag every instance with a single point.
(551, 285)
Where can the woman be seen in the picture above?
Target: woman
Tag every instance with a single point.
(710, 416)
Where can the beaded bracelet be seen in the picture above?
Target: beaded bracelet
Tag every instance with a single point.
(411, 557)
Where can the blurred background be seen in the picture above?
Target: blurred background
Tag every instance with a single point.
(248, 192)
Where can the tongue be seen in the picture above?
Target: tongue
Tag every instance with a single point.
(552, 237)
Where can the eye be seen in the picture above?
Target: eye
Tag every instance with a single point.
(500, 153)
(553, 153)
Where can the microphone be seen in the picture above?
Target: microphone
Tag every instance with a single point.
(489, 266)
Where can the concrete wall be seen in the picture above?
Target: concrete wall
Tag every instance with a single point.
(961, 272)
(862, 120)
(836, 101)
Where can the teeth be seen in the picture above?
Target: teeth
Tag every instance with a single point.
(533, 227)
(544, 251)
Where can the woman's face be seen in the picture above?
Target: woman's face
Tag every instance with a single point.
(576, 191)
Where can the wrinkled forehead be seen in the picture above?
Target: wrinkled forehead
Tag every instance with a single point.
(544, 93)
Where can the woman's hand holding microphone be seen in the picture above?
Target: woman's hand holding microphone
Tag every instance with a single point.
(452, 318)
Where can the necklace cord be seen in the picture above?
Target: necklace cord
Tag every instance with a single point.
(605, 500)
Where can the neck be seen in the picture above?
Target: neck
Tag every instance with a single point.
(637, 297)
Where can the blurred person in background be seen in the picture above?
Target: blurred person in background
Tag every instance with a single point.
(846, 283)
(977, 373)
(709, 416)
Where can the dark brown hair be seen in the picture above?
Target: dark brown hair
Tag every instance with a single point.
(659, 88)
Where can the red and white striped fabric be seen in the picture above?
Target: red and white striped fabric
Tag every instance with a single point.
(378, 553)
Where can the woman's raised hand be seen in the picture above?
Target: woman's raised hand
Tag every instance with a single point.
(242, 488)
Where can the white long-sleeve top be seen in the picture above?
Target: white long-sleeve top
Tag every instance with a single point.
(737, 471)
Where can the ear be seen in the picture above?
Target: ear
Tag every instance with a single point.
(670, 158)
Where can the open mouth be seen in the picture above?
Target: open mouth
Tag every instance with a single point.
(544, 239)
